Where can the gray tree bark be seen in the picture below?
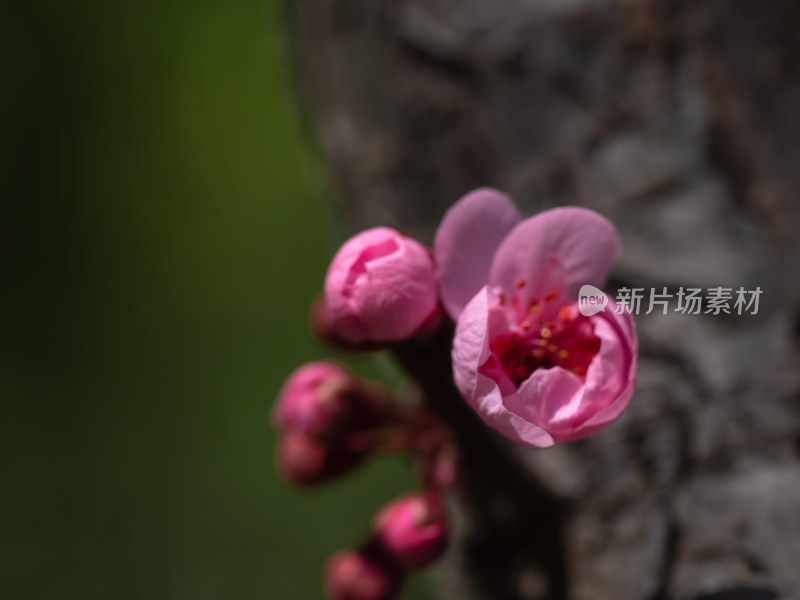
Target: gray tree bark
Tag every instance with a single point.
(678, 120)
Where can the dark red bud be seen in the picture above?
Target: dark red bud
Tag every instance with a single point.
(355, 575)
(305, 460)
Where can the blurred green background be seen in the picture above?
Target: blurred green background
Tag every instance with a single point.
(163, 229)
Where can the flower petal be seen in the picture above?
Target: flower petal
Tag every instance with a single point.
(466, 241)
(629, 344)
(471, 351)
(584, 242)
(569, 409)
(488, 403)
(550, 398)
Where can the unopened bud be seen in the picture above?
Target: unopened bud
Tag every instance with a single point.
(413, 529)
(355, 575)
(305, 460)
(325, 398)
(305, 403)
(381, 286)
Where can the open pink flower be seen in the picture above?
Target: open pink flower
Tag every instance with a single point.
(381, 286)
(524, 357)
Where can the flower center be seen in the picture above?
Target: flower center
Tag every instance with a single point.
(567, 341)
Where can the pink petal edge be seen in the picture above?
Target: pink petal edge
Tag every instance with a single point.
(465, 243)
(470, 351)
(584, 242)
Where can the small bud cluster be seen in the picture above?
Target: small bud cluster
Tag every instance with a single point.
(409, 533)
(329, 422)
(327, 419)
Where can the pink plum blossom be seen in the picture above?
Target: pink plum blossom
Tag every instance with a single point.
(381, 286)
(524, 358)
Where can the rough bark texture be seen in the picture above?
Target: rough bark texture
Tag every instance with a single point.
(680, 121)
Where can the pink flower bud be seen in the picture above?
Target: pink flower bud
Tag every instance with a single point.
(305, 461)
(325, 398)
(310, 400)
(381, 286)
(353, 575)
(413, 529)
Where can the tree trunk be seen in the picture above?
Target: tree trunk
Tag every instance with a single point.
(678, 120)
